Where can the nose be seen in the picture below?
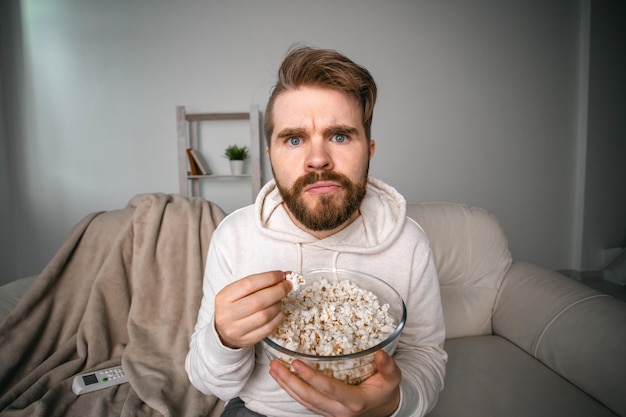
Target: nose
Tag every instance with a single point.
(318, 156)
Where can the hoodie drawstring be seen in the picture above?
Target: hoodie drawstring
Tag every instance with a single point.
(335, 258)
(300, 260)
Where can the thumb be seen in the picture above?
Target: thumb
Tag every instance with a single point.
(387, 367)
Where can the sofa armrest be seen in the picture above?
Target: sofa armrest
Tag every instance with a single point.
(575, 330)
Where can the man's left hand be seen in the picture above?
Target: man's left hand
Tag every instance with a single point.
(379, 395)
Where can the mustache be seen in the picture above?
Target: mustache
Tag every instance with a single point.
(313, 177)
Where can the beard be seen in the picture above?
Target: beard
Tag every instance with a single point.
(329, 211)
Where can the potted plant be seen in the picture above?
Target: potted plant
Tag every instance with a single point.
(236, 155)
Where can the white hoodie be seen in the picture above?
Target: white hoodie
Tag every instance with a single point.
(382, 242)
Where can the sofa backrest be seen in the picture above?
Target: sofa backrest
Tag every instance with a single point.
(471, 254)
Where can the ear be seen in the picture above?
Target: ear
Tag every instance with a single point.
(372, 148)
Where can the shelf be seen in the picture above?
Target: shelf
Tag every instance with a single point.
(196, 177)
(188, 137)
(199, 117)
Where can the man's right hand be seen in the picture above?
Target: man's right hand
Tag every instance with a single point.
(250, 309)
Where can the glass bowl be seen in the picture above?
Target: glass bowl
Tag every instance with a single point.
(356, 367)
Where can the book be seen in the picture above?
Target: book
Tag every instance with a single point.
(200, 162)
(193, 166)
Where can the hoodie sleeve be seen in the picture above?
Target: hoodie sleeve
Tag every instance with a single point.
(212, 367)
(420, 352)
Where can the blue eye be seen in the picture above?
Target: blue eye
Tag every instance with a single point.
(340, 138)
(294, 141)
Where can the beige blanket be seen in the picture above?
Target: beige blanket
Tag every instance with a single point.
(124, 287)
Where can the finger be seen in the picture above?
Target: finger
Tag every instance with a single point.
(239, 306)
(322, 393)
(387, 367)
(322, 383)
(284, 377)
(253, 329)
(263, 298)
(250, 319)
(299, 389)
(251, 284)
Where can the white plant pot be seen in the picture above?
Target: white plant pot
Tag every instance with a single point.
(236, 167)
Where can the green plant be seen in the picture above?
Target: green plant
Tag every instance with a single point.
(236, 153)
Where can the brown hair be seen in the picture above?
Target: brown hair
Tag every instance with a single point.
(305, 66)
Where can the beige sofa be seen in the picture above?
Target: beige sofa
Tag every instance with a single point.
(522, 340)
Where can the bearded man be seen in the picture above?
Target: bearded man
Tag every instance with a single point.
(321, 210)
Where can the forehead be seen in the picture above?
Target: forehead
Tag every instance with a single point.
(315, 107)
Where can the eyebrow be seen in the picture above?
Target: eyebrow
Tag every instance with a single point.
(331, 130)
(290, 132)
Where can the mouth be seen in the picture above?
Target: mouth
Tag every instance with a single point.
(322, 187)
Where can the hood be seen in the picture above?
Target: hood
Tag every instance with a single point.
(383, 213)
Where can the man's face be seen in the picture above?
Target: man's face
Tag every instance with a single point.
(320, 157)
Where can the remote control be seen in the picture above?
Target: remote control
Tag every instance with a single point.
(93, 381)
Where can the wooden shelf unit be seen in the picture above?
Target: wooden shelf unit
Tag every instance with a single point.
(187, 131)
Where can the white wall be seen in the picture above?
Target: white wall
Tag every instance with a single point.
(478, 102)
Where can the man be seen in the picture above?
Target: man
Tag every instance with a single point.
(320, 211)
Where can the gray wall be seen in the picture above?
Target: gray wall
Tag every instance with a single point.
(481, 102)
(605, 174)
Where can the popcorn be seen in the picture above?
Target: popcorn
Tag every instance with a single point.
(330, 319)
(335, 323)
(296, 281)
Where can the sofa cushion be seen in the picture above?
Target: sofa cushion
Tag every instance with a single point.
(490, 376)
(471, 255)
